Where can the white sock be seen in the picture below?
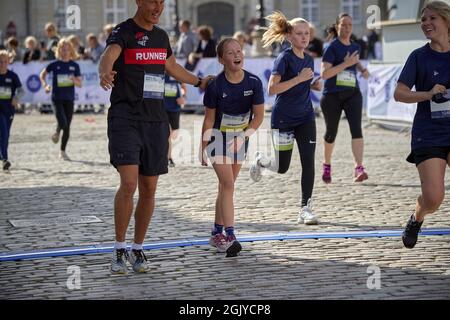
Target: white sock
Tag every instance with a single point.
(136, 246)
(120, 245)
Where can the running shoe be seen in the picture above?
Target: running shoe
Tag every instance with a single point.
(171, 163)
(411, 232)
(234, 247)
(119, 261)
(55, 137)
(360, 174)
(6, 165)
(306, 216)
(138, 260)
(63, 156)
(218, 241)
(256, 168)
(326, 176)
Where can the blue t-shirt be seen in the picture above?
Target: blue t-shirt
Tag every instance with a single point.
(233, 102)
(9, 82)
(63, 87)
(171, 93)
(292, 107)
(335, 54)
(425, 68)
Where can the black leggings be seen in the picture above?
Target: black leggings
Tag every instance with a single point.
(63, 111)
(305, 135)
(332, 105)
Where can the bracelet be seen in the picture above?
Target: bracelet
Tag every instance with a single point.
(198, 83)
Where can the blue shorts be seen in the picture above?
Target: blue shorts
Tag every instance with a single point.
(220, 143)
(422, 154)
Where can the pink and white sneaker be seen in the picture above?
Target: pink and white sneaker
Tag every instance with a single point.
(360, 174)
(219, 241)
(326, 176)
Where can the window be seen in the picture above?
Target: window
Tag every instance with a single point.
(60, 13)
(353, 8)
(310, 10)
(115, 11)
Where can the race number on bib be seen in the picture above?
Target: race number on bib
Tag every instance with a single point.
(283, 141)
(64, 80)
(440, 106)
(234, 123)
(5, 93)
(346, 79)
(154, 86)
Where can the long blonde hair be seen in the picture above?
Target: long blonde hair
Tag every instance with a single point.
(279, 28)
(61, 44)
(441, 8)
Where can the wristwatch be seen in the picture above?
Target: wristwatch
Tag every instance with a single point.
(198, 83)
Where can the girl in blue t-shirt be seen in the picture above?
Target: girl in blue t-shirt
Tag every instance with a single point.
(234, 103)
(428, 69)
(10, 93)
(340, 64)
(293, 114)
(66, 75)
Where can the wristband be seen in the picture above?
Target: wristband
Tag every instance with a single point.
(198, 83)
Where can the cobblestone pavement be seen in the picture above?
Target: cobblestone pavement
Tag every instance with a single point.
(40, 186)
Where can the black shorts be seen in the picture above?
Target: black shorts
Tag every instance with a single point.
(420, 155)
(220, 147)
(174, 120)
(141, 143)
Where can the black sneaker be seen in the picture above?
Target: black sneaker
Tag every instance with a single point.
(171, 163)
(411, 232)
(234, 247)
(6, 165)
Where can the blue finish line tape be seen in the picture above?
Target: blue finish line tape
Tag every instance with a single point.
(72, 251)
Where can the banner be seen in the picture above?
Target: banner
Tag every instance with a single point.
(90, 93)
(381, 103)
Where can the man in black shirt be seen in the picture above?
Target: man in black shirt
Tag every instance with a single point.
(134, 63)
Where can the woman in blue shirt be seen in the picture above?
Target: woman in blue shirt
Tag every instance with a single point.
(428, 69)
(293, 114)
(234, 103)
(340, 63)
(66, 74)
(10, 92)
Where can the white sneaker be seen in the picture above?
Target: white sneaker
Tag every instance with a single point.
(256, 168)
(55, 137)
(119, 261)
(138, 260)
(64, 156)
(306, 215)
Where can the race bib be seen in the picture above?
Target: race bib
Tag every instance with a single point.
(283, 141)
(440, 106)
(63, 80)
(5, 93)
(154, 86)
(171, 90)
(346, 79)
(234, 123)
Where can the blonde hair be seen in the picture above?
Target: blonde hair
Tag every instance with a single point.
(441, 8)
(7, 54)
(30, 39)
(61, 44)
(279, 28)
